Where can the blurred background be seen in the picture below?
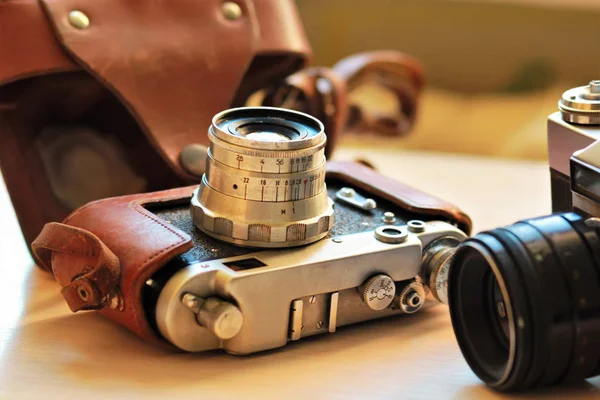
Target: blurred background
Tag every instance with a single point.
(495, 69)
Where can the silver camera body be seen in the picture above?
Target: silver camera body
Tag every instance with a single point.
(574, 151)
(262, 300)
(283, 253)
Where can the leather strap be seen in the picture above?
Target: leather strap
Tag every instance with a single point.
(392, 70)
(397, 192)
(316, 91)
(98, 268)
(326, 93)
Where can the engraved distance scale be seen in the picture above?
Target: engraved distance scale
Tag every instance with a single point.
(264, 184)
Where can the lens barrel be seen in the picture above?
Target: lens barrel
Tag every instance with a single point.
(525, 302)
(264, 184)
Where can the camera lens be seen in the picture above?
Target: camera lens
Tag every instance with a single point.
(264, 184)
(525, 302)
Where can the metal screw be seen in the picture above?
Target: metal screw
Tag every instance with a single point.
(370, 204)
(231, 10)
(348, 192)
(501, 310)
(78, 19)
(389, 217)
(595, 86)
(319, 324)
(312, 299)
(336, 240)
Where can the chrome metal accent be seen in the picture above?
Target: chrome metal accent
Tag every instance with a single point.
(265, 178)
(222, 318)
(581, 105)
(351, 197)
(388, 217)
(391, 234)
(333, 310)
(296, 328)
(231, 10)
(275, 299)
(412, 298)
(436, 266)
(79, 20)
(416, 226)
(378, 292)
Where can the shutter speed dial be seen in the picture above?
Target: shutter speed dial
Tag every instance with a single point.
(378, 292)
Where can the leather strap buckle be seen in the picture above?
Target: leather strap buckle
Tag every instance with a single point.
(89, 272)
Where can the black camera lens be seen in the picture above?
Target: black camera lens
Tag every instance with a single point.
(525, 302)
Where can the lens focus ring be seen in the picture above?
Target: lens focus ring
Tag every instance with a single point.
(264, 184)
(547, 270)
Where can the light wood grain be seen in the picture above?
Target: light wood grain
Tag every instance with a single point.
(47, 352)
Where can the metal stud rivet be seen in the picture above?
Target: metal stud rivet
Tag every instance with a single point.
(78, 19)
(231, 10)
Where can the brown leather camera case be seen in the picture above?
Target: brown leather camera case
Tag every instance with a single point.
(148, 75)
(104, 252)
(98, 98)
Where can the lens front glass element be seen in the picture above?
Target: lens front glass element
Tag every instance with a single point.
(267, 132)
(475, 297)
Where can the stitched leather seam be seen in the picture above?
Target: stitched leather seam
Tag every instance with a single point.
(139, 209)
(81, 209)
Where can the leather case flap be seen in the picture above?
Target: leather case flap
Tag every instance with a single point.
(162, 58)
(23, 25)
(173, 64)
(140, 241)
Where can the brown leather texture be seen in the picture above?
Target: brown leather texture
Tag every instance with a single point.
(143, 243)
(174, 64)
(151, 73)
(72, 247)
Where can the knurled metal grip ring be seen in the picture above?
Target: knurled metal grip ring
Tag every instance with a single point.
(581, 105)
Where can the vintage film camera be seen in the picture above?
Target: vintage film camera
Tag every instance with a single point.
(268, 251)
(264, 187)
(525, 299)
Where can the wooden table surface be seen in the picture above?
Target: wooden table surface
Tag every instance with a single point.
(47, 352)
